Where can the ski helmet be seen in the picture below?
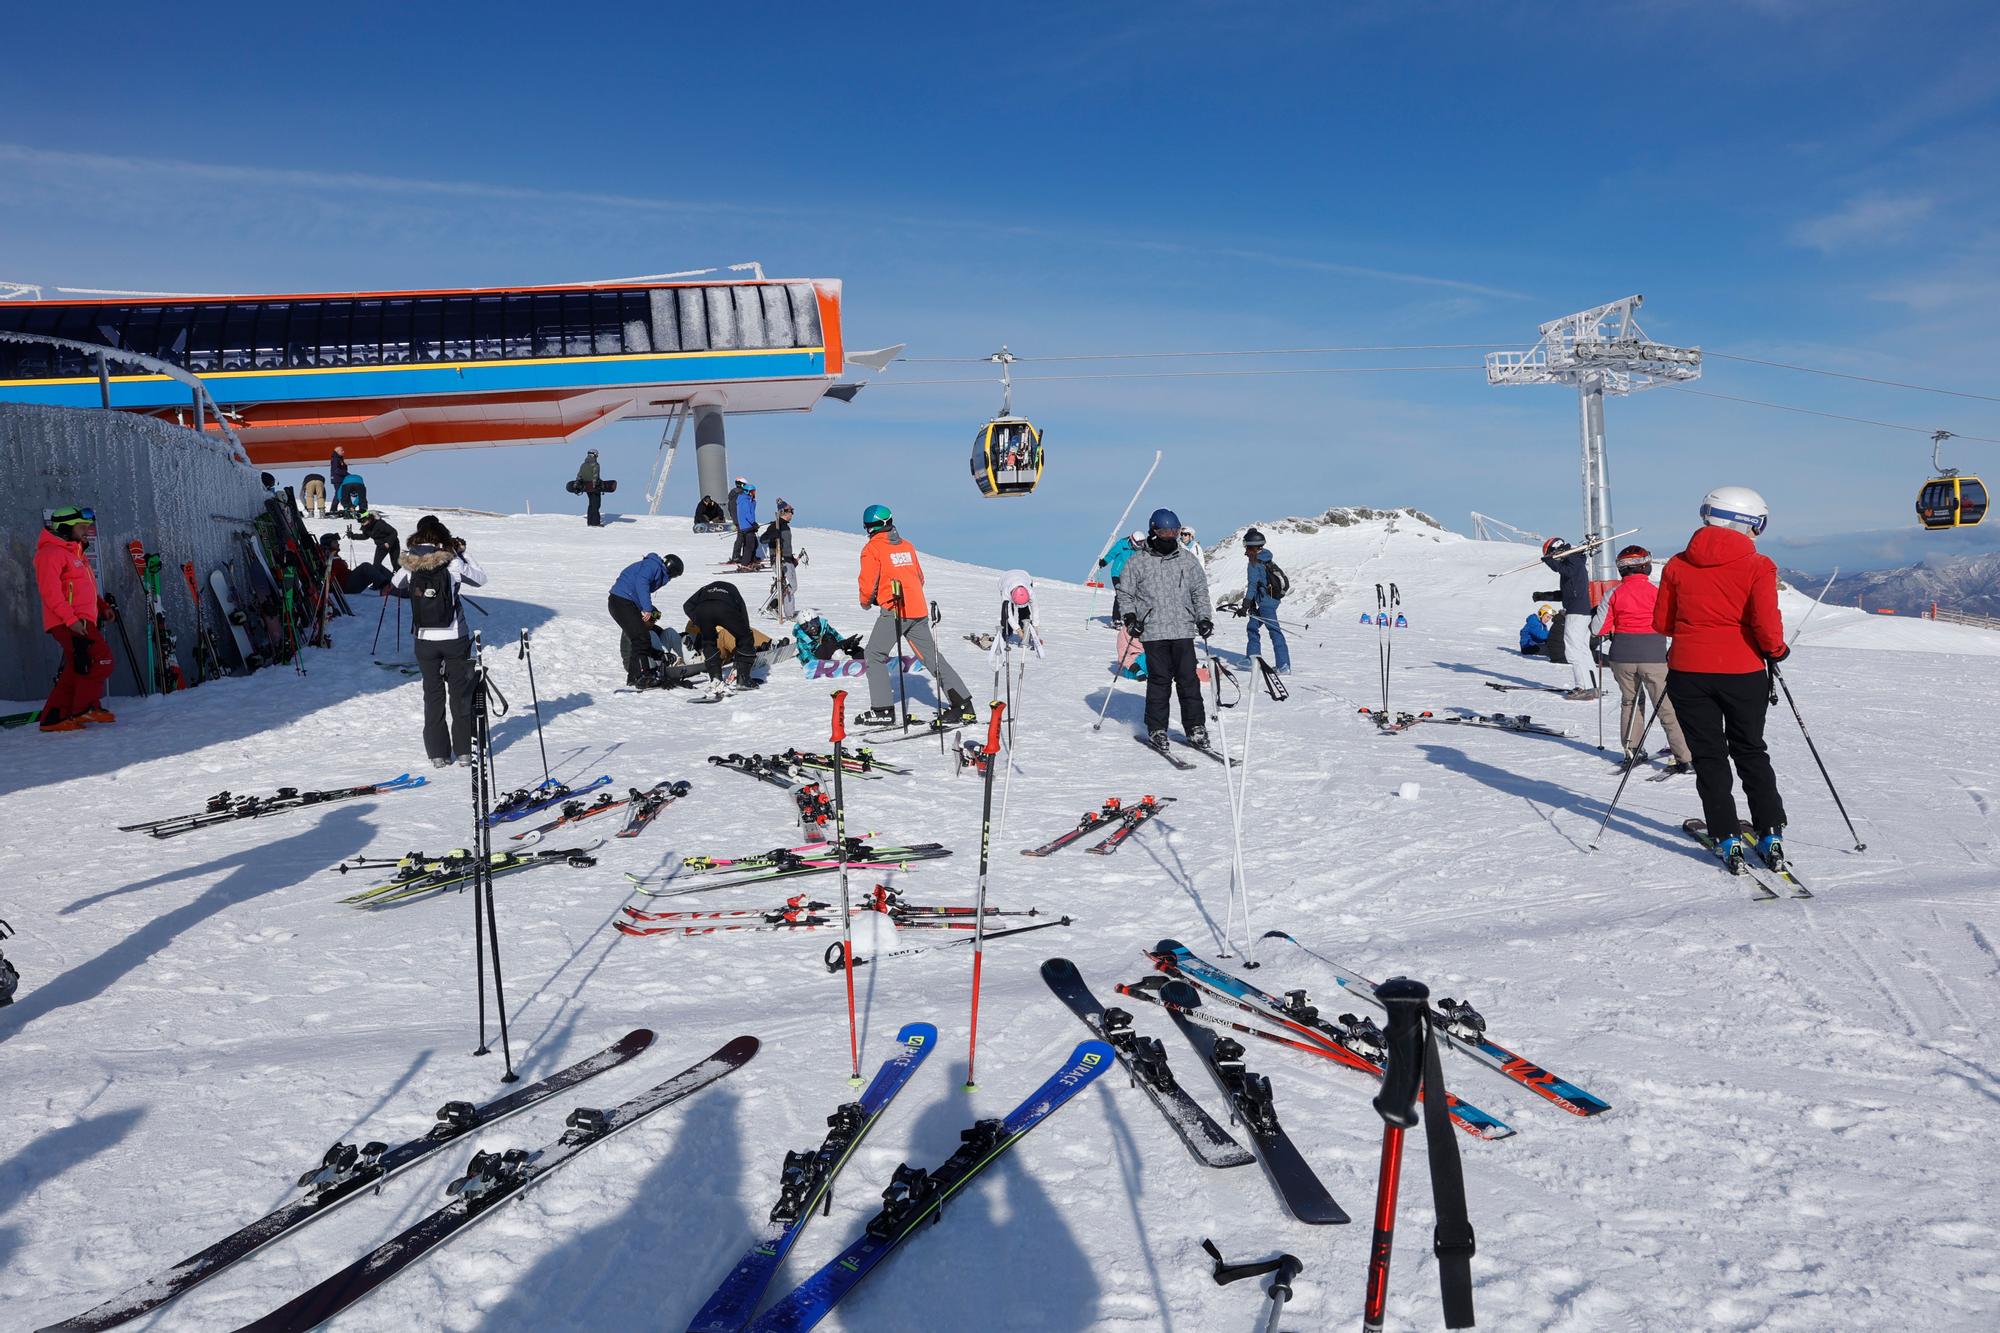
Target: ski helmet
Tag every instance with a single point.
(69, 516)
(1545, 611)
(1552, 543)
(673, 564)
(1020, 595)
(1252, 540)
(1736, 507)
(1635, 559)
(875, 518)
(1163, 520)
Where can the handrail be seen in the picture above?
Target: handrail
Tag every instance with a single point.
(204, 402)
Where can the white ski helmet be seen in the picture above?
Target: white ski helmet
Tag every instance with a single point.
(1736, 507)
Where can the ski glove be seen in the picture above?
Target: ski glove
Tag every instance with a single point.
(1241, 610)
(1135, 626)
(1204, 627)
(1784, 651)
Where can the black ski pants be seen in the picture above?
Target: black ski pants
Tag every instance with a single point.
(719, 606)
(1722, 716)
(446, 665)
(593, 517)
(1171, 668)
(745, 551)
(635, 647)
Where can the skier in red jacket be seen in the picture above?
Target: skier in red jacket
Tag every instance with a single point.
(1719, 602)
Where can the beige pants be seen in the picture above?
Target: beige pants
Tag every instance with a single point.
(314, 497)
(1637, 681)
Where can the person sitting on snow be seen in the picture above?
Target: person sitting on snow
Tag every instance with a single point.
(1535, 630)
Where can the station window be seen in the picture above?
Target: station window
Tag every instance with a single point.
(455, 343)
(427, 329)
(489, 328)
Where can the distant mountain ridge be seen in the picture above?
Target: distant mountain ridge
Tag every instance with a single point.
(1968, 583)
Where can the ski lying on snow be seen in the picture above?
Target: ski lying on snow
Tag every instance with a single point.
(1135, 817)
(491, 1179)
(1500, 722)
(806, 1181)
(1546, 689)
(1355, 1042)
(534, 800)
(645, 806)
(914, 1195)
(1250, 1096)
(1109, 813)
(1145, 1059)
(345, 1172)
(224, 808)
(1468, 1038)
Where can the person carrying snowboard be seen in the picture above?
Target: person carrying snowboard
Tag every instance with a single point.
(1718, 602)
(430, 574)
(1638, 657)
(777, 538)
(72, 613)
(1572, 567)
(1266, 588)
(1166, 606)
(743, 510)
(589, 480)
(717, 611)
(893, 579)
(631, 606)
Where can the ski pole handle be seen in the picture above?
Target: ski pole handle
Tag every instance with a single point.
(524, 644)
(1403, 1068)
(993, 730)
(839, 716)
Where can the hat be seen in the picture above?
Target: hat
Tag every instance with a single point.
(1252, 538)
(784, 505)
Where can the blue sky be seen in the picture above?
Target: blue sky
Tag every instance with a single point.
(1808, 182)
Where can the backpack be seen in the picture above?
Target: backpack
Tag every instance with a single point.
(1276, 584)
(433, 600)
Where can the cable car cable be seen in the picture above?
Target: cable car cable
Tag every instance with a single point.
(1815, 412)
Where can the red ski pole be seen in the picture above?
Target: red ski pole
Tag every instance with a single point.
(846, 909)
(991, 749)
(1396, 1103)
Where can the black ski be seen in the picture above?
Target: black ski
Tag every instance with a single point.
(1501, 722)
(645, 806)
(492, 1178)
(1165, 754)
(1145, 1059)
(1546, 689)
(225, 807)
(1250, 1094)
(1208, 750)
(346, 1171)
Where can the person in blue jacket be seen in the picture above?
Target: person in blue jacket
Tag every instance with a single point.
(1260, 603)
(743, 509)
(1113, 564)
(1535, 630)
(631, 605)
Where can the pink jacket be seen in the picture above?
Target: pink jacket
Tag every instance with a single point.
(66, 582)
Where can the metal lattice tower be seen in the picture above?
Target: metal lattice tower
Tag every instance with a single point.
(1600, 351)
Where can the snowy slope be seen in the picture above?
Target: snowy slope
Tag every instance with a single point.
(1803, 1091)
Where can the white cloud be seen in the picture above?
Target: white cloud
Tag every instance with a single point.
(1866, 219)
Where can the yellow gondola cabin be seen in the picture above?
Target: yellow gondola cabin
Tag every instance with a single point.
(1007, 457)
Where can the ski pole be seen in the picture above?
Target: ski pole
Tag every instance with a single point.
(1627, 777)
(374, 644)
(846, 909)
(1282, 1269)
(991, 751)
(483, 873)
(1381, 643)
(535, 697)
(1859, 845)
(1396, 1103)
(1240, 883)
(1389, 655)
(1236, 813)
(1119, 527)
(902, 685)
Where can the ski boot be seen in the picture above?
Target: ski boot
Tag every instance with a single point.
(1158, 740)
(1730, 850)
(1677, 769)
(959, 712)
(1633, 759)
(1771, 849)
(1198, 737)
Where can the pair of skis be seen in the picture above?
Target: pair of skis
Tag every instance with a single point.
(1166, 751)
(1126, 818)
(346, 1172)
(791, 864)
(224, 807)
(418, 876)
(1464, 1031)
(521, 803)
(648, 803)
(1761, 873)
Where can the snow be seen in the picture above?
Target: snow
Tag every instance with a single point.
(1803, 1093)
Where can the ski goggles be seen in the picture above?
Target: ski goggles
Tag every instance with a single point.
(1754, 522)
(73, 514)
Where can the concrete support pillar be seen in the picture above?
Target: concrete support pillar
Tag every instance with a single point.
(711, 454)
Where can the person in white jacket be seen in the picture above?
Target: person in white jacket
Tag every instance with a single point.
(432, 570)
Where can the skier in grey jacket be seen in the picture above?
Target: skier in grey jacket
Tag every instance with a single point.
(1163, 594)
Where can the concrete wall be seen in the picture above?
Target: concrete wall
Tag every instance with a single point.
(146, 479)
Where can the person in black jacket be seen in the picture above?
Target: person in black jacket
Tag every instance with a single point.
(374, 528)
(714, 609)
(777, 538)
(1572, 567)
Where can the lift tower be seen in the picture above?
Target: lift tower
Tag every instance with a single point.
(1600, 351)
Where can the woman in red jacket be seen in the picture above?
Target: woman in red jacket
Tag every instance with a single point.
(1719, 603)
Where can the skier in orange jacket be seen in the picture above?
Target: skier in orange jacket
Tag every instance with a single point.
(72, 611)
(893, 580)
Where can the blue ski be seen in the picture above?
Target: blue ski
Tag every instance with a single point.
(541, 798)
(914, 1195)
(807, 1181)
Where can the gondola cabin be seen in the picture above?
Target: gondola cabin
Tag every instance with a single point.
(1951, 502)
(1007, 457)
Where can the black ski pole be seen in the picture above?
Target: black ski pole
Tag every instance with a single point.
(479, 813)
(1859, 845)
(1627, 777)
(1381, 642)
(1396, 1103)
(375, 644)
(131, 660)
(1282, 1269)
(535, 698)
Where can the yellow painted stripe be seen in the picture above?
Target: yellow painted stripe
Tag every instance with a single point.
(423, 365)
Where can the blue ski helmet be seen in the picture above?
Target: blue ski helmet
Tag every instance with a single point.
(1163, 520)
